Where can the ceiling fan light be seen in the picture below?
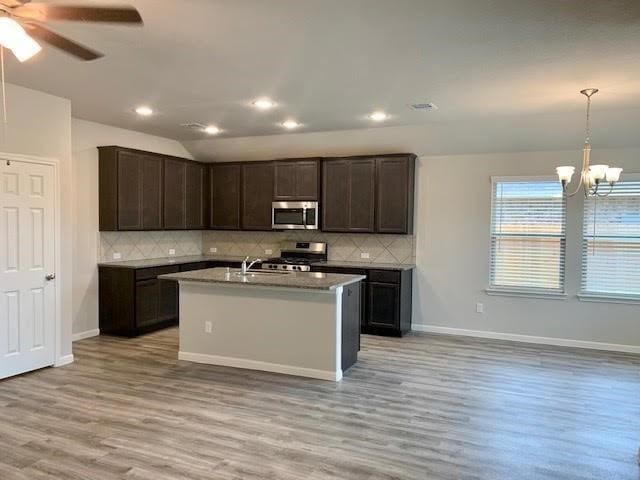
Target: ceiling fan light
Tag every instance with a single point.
(598, 172)
(613, 174)
(26, 49)
(14, 37)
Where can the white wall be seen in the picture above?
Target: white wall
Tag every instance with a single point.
(85, 137)
(452, 253)
(40, 124)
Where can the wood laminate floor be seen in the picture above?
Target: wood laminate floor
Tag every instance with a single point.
(420, 407)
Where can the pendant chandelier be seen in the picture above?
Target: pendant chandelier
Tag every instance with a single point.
(592, 177)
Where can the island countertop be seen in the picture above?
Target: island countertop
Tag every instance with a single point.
(302, 280)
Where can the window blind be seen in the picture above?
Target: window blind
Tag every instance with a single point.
(528, 240)
(611, 242)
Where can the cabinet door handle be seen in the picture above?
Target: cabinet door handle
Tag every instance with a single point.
(50, 276)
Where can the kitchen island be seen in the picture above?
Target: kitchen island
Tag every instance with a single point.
(297, 323)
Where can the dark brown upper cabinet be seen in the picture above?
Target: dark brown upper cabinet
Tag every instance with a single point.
(175, 194)
(257, 193)
(149, 191)
(197, 200)
(394, 193)
(297, 180)
(131, 185)
(348, 194)
(184, 195)
(225, 188)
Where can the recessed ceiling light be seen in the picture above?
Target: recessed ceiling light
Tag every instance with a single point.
(290, 124)
(144, 111)
(211, 130)
(378, 116)
(263, 103)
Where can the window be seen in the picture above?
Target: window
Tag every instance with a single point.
(528, 242)
(611, 243)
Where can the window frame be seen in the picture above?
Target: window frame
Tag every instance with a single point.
(527, 292)
(602, 297)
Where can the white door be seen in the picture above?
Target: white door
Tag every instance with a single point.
(27, 259)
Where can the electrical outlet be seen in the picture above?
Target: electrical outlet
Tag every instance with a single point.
(364, 255)
(213, 250)
(172, 251)
(117, 256)
(208, 327)
(268, 251)
(479, 307)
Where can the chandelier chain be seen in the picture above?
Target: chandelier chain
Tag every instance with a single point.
(588, 126)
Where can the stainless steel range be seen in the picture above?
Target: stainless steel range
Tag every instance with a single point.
(297, 256)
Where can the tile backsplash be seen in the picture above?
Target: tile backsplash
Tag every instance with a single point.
(352, 247)
(141, 245)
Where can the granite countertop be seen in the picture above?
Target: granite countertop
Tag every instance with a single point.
(366, 265)
(162, 262)
(302, 280)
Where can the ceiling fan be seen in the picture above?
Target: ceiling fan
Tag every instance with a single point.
(21, 25)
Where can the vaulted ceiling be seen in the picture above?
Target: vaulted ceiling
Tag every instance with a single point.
(329, 63)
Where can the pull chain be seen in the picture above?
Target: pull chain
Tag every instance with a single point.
(595, 219)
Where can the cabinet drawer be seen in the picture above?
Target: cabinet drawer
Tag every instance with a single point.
(185, 267)
(339, 270)
(386, 276)
(149, 273)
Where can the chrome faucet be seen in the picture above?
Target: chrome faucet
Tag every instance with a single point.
(244, 269)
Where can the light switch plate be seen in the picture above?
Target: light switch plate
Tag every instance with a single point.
(213, 250)
(117, 256)
(479, 307)
(268, 251)
(208, 327)
(364, 255)
(172, 251)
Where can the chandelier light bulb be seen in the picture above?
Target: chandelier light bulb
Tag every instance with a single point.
(598, 172)
(613, 174)
(565, 173)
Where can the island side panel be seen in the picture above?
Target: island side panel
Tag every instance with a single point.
(293, 331)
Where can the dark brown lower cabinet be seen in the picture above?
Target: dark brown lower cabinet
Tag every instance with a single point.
(351, 306)
(386, 298)
(134, 301)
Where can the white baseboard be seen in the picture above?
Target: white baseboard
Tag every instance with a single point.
(513, 337)
(263, 366)
(64, 360)
(82, 335)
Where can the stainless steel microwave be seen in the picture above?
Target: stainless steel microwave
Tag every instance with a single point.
(294, 216)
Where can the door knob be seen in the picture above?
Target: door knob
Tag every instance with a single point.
(50, 276)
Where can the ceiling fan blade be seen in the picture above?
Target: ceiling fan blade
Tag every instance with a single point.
(62, 43)
(44, 12)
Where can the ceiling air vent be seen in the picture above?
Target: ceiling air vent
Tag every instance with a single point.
(423, 107)
(193, 126)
